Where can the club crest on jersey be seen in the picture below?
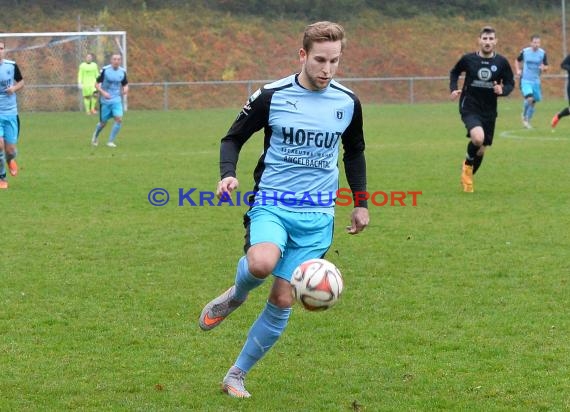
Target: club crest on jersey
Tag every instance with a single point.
(339, 114)
(484, 74)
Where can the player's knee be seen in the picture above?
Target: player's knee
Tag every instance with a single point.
(478, 138)
(260, 265)
(260, 268)
(262, 258)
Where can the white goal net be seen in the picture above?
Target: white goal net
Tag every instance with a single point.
(49, 63)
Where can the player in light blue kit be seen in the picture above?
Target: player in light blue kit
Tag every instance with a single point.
(305, 117)
(11, 81)
(529, 65)
(112, 85)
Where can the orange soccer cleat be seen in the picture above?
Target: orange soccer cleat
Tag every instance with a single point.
(13, 167)
(467, 178)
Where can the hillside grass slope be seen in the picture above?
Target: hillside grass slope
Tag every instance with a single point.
(187, 44)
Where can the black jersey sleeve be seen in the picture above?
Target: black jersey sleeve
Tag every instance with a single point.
(17, 74)
(252, 118)
(101, 76)
(566, 63)
(353, 158)
(454, 74)
(508, 78)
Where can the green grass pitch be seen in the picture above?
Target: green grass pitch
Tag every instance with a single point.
(458, 303)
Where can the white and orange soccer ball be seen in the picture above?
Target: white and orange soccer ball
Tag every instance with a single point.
(317, 284)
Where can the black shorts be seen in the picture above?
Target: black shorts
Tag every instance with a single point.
(488, 124)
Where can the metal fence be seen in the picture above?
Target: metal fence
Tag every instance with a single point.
(225, 94)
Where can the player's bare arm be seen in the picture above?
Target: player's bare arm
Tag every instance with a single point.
(14, 88)
(105, 94)
(518, 69)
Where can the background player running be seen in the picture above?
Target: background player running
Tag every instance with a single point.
(113, 86)
(529, 65)
(487, 76)
(11, 81)
(564, 112)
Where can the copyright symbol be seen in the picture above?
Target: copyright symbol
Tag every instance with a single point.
(158, 196)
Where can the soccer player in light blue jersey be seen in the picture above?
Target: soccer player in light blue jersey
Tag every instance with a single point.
(306, 117)
(11, 81)
(112, 85)
(529, 65)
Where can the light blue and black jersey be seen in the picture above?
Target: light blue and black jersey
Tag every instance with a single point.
(9, 75)
(303, 129)
(532, 60)
(112, 81)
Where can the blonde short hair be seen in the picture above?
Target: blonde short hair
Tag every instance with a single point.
(323, 31)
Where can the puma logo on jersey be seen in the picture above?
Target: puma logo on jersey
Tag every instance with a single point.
(292, 104)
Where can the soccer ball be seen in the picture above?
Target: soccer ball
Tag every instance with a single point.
(317, 284)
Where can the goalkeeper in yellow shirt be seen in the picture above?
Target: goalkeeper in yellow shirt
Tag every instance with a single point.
(86, 79)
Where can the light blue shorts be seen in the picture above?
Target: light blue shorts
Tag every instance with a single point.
(111, 110)
(531, 89)
(299, 235)
(10, 128)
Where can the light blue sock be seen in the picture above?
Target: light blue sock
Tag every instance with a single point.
(525, 109)
(262, 336)
(98, 129)
(2, 165)
(115, 131)
(530, 112)
(245, 281)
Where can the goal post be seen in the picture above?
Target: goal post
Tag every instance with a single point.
(49, 63)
